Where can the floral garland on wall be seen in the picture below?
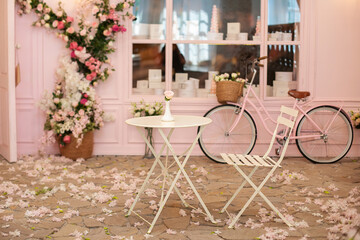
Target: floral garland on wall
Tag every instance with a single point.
(73, 107)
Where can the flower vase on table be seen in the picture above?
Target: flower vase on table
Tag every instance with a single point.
(167, 115)
(149, 136)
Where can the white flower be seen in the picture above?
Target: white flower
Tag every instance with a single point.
(46, 17)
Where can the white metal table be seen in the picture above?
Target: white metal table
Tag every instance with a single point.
(156, 123)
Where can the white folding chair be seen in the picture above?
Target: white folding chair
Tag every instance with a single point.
(287, 117)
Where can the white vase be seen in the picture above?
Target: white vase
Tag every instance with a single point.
(167, 115)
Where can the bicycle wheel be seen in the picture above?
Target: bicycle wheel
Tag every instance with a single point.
(330, 146)
(216, 139)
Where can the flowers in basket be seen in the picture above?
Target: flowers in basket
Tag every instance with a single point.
(235, 77)
(146, 109)
(355, 117)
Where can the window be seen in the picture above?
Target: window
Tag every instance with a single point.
(180, 44)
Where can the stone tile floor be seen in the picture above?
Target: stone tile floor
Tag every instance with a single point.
(55, 198)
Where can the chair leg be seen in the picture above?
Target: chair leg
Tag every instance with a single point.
(237, 191)
(257, 191)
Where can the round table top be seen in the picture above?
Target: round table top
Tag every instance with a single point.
(180, 121)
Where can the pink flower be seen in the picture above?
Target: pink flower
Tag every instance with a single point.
(83, 32)
(81, 112)
(39, 7)
(92, 60)
(95, 10)
(168, 95)
(67, 139)
(55, 23)
(60, 25)
(56, 100)
(73, 55)
(83, 101)
(89, 77)
(126, 5)
(103, 18)
(73, 45)
(70, 30)
(79, 48)
(87, 63)
(122, 29)
(92, 67)
(107, 33)
(93, 74)
(69, 19)
(115, 28)
(85, 95)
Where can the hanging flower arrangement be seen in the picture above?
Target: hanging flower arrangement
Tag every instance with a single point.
(73, 107)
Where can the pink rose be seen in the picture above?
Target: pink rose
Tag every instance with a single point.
(56, 100)
(168, 95)
(60, 25)
(107, 33)
(126, 5)
(67, 139)
(83, 32)
(69, 19)
(79, 48)
(87, 63)
(103, 18)
(83, 101)
(93, 74)
(71, 113)
(95, 10)
(73, 45)
(92, 60)
(89, 77)
(70, 30)
(92, 67)
(73, 55)
(85, 95)
(115, 28)
(39, 7)
(81, 112)
(55, 23)
(122, 29)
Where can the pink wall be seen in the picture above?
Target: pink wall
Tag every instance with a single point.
(330, 73)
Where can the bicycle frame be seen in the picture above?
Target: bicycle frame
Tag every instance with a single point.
(296, 105)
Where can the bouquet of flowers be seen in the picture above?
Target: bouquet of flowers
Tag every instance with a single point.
(355, 117)
(73, 107)
(235, 77)
(146, 109)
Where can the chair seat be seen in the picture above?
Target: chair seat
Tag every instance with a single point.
(247, 160)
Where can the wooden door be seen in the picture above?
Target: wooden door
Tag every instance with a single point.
(7, 81)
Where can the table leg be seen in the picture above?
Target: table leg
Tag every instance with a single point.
(181, 170)
(157, 161)
(181, 166)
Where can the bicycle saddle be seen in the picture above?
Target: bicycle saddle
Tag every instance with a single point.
(298, 94)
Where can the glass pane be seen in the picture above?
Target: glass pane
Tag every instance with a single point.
(150, 19)
(194, 63)
(284, 20)
(283, 69)
(148, 69)
(224, 19)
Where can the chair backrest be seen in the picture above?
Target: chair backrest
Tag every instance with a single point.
(286, 118)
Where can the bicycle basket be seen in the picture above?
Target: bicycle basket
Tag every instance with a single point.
(229, 91)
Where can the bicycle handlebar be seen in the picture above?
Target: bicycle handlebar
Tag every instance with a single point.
(262, 58)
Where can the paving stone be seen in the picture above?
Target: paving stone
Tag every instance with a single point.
(91, 223)
(177, 223)
(241, 233)
(67, 229)
(116, 220)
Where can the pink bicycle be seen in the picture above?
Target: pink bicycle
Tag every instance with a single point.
(323, 133)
